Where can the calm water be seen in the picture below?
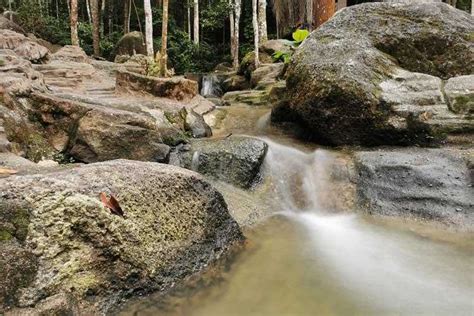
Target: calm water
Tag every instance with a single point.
(307, 260)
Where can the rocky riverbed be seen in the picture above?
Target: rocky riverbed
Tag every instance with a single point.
(191, 172)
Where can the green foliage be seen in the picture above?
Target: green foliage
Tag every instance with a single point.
(52, 29)
(280, 56)
(300, 35)
(213, 16)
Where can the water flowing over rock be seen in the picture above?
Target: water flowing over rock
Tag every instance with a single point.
(375, 74)
(236, 160)
(57, 237)
(429, 184)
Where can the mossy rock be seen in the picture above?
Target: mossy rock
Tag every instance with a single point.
(247, 65)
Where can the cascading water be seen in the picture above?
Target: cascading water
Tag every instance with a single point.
(309, 260)
(211, 86)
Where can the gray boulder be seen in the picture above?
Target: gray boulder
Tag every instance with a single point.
(428, 184)
(374, 75)
(57, 238)
(279, 45)
(130, 44)
(196, 125)
(6, 24)
(236, 159)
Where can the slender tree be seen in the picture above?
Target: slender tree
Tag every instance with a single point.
(196, 22)
(148, 28)
(236, 38)
(88, 9)
(73, 20)
(164, 41)
(95, 26)
(262, 20)
(188, 18)
(255, 30)
(127, 9)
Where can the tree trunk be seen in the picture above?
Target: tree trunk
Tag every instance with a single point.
(323, 10)
(309, 14)
(189, 19)
(110, 17)
(148, 28)
(237, 13)
(73, 18)
(164, 41)
(232, 31)
(196, 22)
(262, 20)
(126, 16)
(95, 26)
(102, 16)
(88, 8)
(255, 30)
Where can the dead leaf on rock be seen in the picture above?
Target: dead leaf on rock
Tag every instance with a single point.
(112, 204)
(7, 171)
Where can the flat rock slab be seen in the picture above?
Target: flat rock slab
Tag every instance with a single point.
(428, 184)
(176, 88)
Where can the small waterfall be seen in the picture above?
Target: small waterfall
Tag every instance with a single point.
(299, 180)
(195, 161)
(211, 86)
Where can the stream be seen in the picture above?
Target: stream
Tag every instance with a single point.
(308, 259)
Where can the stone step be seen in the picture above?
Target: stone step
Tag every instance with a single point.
(250, 97)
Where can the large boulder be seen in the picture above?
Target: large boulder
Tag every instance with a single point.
(374, 75)
(22, 46)
(57, 238)
(130, 44)
(236, 160)
(428, 184)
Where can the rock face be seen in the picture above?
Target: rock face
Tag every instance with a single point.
(429, 184)
(130, 44)
(22, 46)
(57, 238)
(236, 160)
(375, 74)
(69, 108)
(173, 88)
(6, 24)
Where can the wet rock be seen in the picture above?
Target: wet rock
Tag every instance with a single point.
(22, 46)
(428, 184)
(279, 45)
(236, 83)
(460, 94)
(373, 75)
(236, 160)
(60, 239)
(130, 44)
(250, 97)
(247, 65)
(266, 75)
(176, 88)
(196, 125)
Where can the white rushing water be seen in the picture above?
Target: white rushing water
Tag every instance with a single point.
(211, 86)
(309, 260)
(392, 272)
